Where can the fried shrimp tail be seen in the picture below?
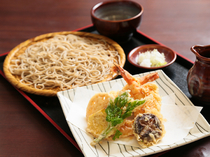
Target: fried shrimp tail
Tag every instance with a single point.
(131, 80)
(126, 75)
(139, 87)
(149, 78)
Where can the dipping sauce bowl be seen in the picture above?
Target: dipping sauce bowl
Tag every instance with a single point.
(117, 20)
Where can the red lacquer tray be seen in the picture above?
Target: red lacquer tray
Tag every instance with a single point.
(53, 112)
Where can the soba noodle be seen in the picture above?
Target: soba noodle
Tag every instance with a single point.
(65, 62)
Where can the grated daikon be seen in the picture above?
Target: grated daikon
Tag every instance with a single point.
(151, 59)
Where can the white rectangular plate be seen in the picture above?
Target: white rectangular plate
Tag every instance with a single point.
(166, 86)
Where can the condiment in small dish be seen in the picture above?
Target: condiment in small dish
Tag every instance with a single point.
(151, 56)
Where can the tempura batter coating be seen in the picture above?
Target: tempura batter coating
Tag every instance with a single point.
(97, 123)
(99, 101)
(140, 88)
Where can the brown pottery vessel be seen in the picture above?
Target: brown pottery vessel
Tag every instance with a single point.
(198, 78)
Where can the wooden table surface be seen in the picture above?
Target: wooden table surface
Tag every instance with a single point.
(178, 24)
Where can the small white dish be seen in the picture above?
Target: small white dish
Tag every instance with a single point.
(199, 130)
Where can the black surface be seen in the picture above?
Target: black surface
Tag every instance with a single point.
(177, 72)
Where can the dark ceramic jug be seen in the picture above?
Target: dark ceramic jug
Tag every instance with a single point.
(198, 78)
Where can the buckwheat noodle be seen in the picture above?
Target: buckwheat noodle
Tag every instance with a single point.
(65, 62)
